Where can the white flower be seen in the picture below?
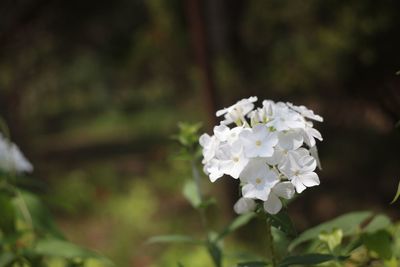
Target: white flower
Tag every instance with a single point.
(310, 133)
(271, 149)
(238, 111)
(314, 154)
(290, 140)
(259, 141)
(285, 119)
(273, 204)
(235, 160)
(308, 113)
(300, 171)
(244, 205)
(11, 158)
(222, 132)
(210, 146)
(258, 179)
(230, 135)
(213, 169)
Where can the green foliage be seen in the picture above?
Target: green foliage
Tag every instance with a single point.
(188, 135)
(398, 189)
(282, 222)
(238, 222)
(252, 264)
(349, 223)
(332, 239)
(192, 194)
(174, 239)
(28, 234)
(379, 242)
(308, 259)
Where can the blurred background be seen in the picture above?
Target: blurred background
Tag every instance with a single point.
(93, 90)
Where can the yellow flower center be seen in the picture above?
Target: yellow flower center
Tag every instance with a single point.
(258, 181)
(258, 143)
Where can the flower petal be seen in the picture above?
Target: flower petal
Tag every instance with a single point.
(285, 190)
(309, 179)
(273, 205)
(244, 205)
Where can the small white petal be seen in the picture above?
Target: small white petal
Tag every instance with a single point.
(221, 132)
(244, 205)
(296, 181)
(285, 190)
(309, 179)
(273, 205)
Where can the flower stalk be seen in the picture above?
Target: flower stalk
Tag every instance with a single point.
(270, 245)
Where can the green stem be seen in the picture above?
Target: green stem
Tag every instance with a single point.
(196, 178)
(270, 245)
(213, 248)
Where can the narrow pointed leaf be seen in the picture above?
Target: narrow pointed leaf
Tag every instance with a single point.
(238, 222)
(252, 264)
(398, 187)
(379, 222)
(67, 250)
(174, 239)
(349, 223)
(282, 222)
(308, 259)
(191, 193)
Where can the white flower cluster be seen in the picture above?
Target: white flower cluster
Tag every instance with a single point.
(272, 150)
(11, 158)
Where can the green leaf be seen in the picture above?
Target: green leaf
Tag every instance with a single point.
(252, 264)
(207, 202)
(7, 211)
(238, 222)
(349, 223)
(215, 253)
(191, 193)
(42, 220)
(188, 133)
(281, 242)
(174, 239)
(308, 259)
(391, 263)
(379, 222)
(61, 248)
(6, 259)
(332, 239)
(398, 188)
(282, 222)
(379, 242)
(66, 250)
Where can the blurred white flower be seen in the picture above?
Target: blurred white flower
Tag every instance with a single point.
(244, 205)
(11, 158)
